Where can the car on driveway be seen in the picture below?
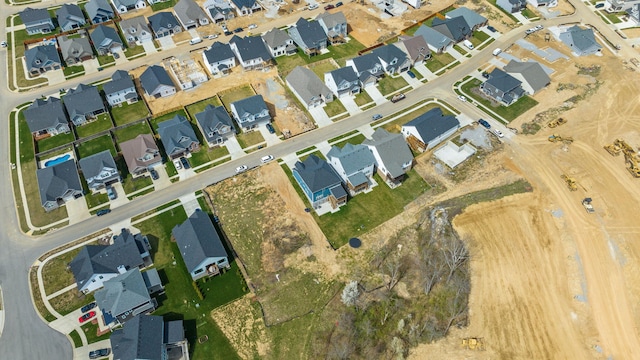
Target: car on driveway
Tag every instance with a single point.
(600, 5)
(111, 193)
(376, 117)
(88, 307)
(238, 30)
(241, 168)
(252, 26)
(185, 163)
(271, 129)
(177, 164)
(339, 3)
(103, 212)
(462, 98)
(4, 44)
(100, 353)
(86, 316)
(411, 74)
(492, 29)
(329, 7)
(484, 123)
(154, 174)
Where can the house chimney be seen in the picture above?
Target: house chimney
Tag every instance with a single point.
(121, 269)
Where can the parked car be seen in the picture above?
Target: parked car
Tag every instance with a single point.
(498, 133)
(100, 353)
(329, 7)
(398, 97)
(227, 32)
(530, 31)
(154, 174)
(266, 159)
(271, 129)
(212, 36)
(600, 5)
(111, 193)
(88, 307)
(339, 3)
(252, 26)
(177, 164)
(376, 117)
(411, 74)
(4, 44)
(492, 29)
(185, 163)
(539, 27)
(116, 55)
(313, 6)
(485, 74)
(238, 30)
(103, 212)
(86, 316)
(484, 123)
(241, 168)
(462, 98)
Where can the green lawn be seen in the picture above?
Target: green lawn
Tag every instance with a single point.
(529, 14)
(106, 60)
(334, 108)
(459, 49)
(95, 146)
(363, 98)
(70, 301)
(438, 61)
(480, 35)
(207, 154)
(337, 52)
(73, 71)
(132, 52)
(102, 123)
(321, 68)
(132, 131)
(77, 342)
(20, 37)
(163, 5)
(199, 106)
(91, 332)
(96, 199)
(55, 275)
(131, 185)
(155, 121)
(128, 113)
(247, 139)
(288, 63)
(54, 141)
(510, 112)
(387, 84)
(355, 140)
(614, 18)
(235, 94)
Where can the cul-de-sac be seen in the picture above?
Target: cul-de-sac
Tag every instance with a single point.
(306, 179)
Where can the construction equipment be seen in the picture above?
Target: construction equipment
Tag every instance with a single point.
(556, 138)
(557, 122)
(571, 182)
(473, 344)
(614, 149)
(587, 205)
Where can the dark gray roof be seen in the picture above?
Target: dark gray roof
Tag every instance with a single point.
(44, 114)
(330, 20)
(218, 52)
(105, 259)
(41, 55)
(98, 8)
(252, 105)
(67, 10)
(244, 3)
(188, 11)
(456, 27)
(93, 165)
(82, 100)
(352, 157)
(306, 83)
(120, 80)
(212, 119)
(251, 47)
(122, 293)
(583, 39)
(276, 37)
(138, 22)
(125, 3)
(502, 81)
(531, 71)
(102, 32)
(471, 17)
(139, 338)
(310, 31)
(173, 331)
(367, 62)
(55, 181)
(433, 123)
(317, 173)
(176, 134)
(163, 20)
(344, 74)
(198, 240)
(29, 15)
(153, 77)
(389, 52)
(392, 149)
(74, 47)
(433, 37)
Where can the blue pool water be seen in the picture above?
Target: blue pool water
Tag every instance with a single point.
(56, 161)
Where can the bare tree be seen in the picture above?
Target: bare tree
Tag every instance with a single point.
(457, 306)
(431, 266)
(455, 254)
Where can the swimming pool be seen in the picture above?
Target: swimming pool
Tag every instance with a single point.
(57, 161)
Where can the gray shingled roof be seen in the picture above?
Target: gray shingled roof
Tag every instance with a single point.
(392, 149)
(82, 100)
(98, 8)
(54, 181)
(45, 114)
(29, 15)
(140, 338)
(218, 52)
(176, 134)
(68, 10)
(306, 83)
(531, 71)
(92, 165)
(74, 47)
(433, 123)
(122, 293)
(163, 20)
(433, 37)
(138, 22)
(173, 331)
(352, 157)
(198, 240)
(103, 32)
(40, 56)
(153, 77)
(120, 80)
(471, 17)
(583, 39)
(502, 81)
(368, 62)
(317, 173)
(252, 105)
(310, 31)
(455, 28)
(212, 119)
(189, 12)
(276, 37)
(125, 3)
(244, 3)
(332, 19)
(344, 74)
(389, 52)
(251, 47)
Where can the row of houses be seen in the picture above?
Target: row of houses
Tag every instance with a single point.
(68, 17)
(515, 80)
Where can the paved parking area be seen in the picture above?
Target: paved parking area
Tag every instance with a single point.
(270, 138)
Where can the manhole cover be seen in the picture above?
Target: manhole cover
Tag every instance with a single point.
(355, 243)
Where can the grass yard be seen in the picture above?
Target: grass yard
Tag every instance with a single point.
(163, 5)
(131, 185)
(20, 37)
(247, 139)
(287, 63)
(132, 52)
(235, 94)
(438, 61)
(96, 199)
(387, 84)
(363, 98)
(75, 337)
(102, 123)
(73, 71)
(199, 106)
(95, 146)
(106, 60)
(54, 141)
(337, 52)
(510, 112)
(334, 108)
(128, 113)
(70, 301)
(207, 154)
(459, 49)
(320, 68)
(91, 332)
(481, 36)
(355, 140)
(155, 121)
(132, 131)
(35, 294)
(55, 275)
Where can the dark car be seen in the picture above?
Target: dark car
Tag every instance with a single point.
(88, 307)
(491, 28)
(377, 117)
(103, 212)
(599, 6)
(329, 7)
(484, 123)
(96, 354)
(339, 3)
(185, 163)
(154, 174)
(227, 32)
(238, 30)
(411, 74)
(271, 129)
(485, 74)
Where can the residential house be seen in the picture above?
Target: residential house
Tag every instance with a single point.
(415, 48)
(246, 7)
(393, 60)
(42, 58)
(127, 295)
(530, 74)
(124, 6)
(136, 30)
(429, 129)
(75, 50)
(309, 36)
(392, 154)
(436, 41)
(70, 17)
(308, 88)
(200, 246)
(98, 11)
(187, 72)
(219, 58)
(190, 14)
(178, 137)
(355, 164)
(46, 118)
(334, 26)
(83, 103)
(455, 28)
(250, 112)
(368, 68)
(473, 19)
(215, 124)
(502, 87)
(219, 10)
(279, 42)
(106, 40)
(581, 41)
(141, 154)
(414, 3)
(319, 182)
(36, 21)
(58, 184)
(343, 81)
(634, 13)
(512, 6)
(149, 337)
(120, 89)
(251, 52)
(554, 3)
(164, 24)
(96, 264)
(156, 82)
(99, 170)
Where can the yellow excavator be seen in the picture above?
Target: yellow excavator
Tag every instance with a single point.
(557, 138)
(557, 122)
(571, 182)
(614, 149)
(473, 343)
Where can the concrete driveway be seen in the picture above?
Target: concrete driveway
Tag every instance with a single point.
(166, 43)
(149, 47)
(411, 80)
(91, 66)
(376, 95)
(320, 117)
(234, 148)
(350, 104)
(122, 58)
(55, 77)
(270, 138)
(77, 210)
(121, 198)
(163, 178)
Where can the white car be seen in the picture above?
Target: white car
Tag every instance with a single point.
(462, 98)
(211, 37)
(530, 31)
(177, 164)
(498, 133)
(252, 26)
(241, 168)
(539, 27)
(266, 159)
(3, 44)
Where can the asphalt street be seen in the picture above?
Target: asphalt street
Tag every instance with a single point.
(25, 335)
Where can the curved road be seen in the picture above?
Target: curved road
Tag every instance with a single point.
(25, 335)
